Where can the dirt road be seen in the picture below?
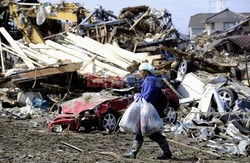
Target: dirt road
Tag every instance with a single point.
(20, 142)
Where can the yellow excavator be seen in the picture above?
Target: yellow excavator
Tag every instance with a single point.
(25, 14)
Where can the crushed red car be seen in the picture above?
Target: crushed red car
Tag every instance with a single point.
(91, 110)
(94, 110)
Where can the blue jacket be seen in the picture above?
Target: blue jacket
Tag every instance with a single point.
(150, 89)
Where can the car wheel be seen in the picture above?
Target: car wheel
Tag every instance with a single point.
(228, 96)
(183, 69)
(171, 116)
(109, 121)
(235, 73)
(87, 129)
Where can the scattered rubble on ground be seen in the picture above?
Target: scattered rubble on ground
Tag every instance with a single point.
(83, 76)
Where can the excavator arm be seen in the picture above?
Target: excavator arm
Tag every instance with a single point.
(65, 11)
(22, 15)
(30, 32)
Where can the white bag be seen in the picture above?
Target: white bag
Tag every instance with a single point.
(131, 118)
(150, 120)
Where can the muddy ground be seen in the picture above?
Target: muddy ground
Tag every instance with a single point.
(20, 141)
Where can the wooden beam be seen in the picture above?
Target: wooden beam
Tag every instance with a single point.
(83, 56)
(37, 56)
(127, 55)
(72, 146)
(172, 88)
(16, 48)
(11, 51)
(100, 49)
(194, 148)
(2, 59)
(177, 52)
(91, 47)
(85, 64)
(145, 14)
(43, 72)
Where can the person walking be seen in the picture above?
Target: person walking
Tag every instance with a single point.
(150, 91)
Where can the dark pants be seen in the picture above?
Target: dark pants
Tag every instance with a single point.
(154, 137)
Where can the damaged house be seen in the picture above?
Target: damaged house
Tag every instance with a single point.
(214, 22)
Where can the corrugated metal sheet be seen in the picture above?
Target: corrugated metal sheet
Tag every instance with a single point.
(242, 41)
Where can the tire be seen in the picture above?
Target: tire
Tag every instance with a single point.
(183, 69)
(109, 121)
(172, 115)
(235, 73)
(87, 129)
(228, 96)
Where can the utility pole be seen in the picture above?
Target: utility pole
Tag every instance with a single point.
(220, 5)
(209, 5)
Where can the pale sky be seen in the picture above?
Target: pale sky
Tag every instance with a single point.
(181, 10)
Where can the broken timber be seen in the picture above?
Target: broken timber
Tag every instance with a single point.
(43, 72)
(72, 146)
(16, 48)
(194, 148)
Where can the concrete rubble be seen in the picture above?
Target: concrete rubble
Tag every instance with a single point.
(100, 53)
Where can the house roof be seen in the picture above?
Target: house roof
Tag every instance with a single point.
(246, 14)
(198, 20)
(226, 16)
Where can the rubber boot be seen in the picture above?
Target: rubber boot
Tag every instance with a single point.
(134, 149)
(166, 151)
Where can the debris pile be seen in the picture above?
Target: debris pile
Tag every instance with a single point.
(218, 116)
(87, 75)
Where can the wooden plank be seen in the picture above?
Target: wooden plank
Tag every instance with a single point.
(1, 54)
(72, 146)
(135, 46)
(83, 52)
(37, 56)
(174, 51)
(43, 72)
(85, 64)
(106, 34)
(58, 54)
(145, 14)
(75, 54)
(40, 58)
(82, 56)
(129, 56)
(194, 148)
(16, 48)
(151, 58)
(172, 88)
(99, 49)
(117, 71)
(11, 51)
(225, 64)
(97, 34)
(155, 57)
(90, 46)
